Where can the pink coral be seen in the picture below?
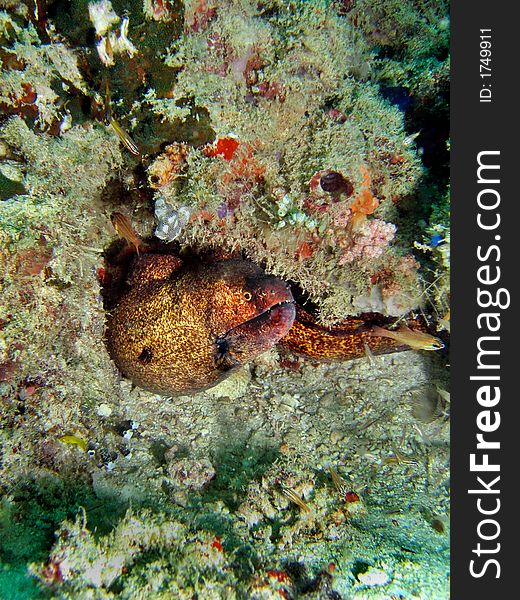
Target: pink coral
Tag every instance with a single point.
(405, 269)
(200, 15)
(370, 242)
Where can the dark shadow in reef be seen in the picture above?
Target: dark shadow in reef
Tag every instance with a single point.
(430, 121)
(243, 456)
(320, 586)
(38, 505)
(29, 519)
(237, 464)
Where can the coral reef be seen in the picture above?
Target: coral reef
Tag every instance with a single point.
(286, 113)
(223, 525)
(275, 130)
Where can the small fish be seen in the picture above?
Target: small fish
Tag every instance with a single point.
(396, 458)
(411, 138)
(444, 394)
(338, 482)
(74, 440)
(293, 497)
(125, 138)
(369, 354)
(415, 339)
(445, 321)
(125, 230)
(436, 239)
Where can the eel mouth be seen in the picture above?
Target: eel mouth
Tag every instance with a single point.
(276, 320)
(259, 334)
(279, 316)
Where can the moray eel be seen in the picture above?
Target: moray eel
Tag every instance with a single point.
(179, 330)
(346, 340)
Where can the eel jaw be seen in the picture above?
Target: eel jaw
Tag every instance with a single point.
(246, 341)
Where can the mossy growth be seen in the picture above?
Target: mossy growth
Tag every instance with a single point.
(285, 112)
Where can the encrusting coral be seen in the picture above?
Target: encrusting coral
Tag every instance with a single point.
(261, 128)
(284, 112)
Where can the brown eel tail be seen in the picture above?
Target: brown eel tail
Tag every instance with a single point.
(343, 341)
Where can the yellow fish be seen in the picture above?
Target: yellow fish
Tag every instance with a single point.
(123, 226)
(415, 339)
(74, 440)
(125, 138)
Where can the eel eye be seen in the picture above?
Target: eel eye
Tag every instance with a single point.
(247, 296)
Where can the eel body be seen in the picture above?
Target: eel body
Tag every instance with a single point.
(180, 329)
(346, 340)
